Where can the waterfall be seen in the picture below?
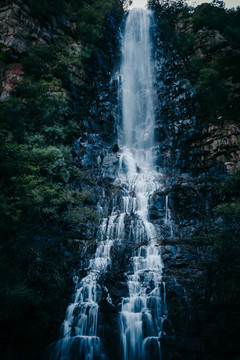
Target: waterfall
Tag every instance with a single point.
(79, 331)
(143, 310)
(137, 93)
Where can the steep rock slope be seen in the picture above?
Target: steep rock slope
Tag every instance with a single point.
(195, 213)
(198, 148)
(57, 116)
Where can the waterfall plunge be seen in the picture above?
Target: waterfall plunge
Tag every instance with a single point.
(137, 92)
(143, 310)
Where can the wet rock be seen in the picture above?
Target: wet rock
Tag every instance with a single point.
(118, 291)
(182, 142)
(115, 148)
(109, 165)
(109, 331)
(167, 328)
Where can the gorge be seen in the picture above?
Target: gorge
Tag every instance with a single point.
(139, 219)
(143, 309)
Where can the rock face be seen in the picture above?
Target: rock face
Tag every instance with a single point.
(189, 155)
(210, 40)
(183, 144)
(199, 317)
(20, 30)
(199, 311)
(191, 275)
(214, 150)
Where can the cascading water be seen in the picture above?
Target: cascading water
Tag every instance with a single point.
(79, 332)
(143, 310)
(137, 87)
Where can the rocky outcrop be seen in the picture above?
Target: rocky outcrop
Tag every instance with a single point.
(198, 312)
(208, 151)
(20, 30)
(208, 41)
(218, 146)
(187, 154)
(198, 279)
(184, 145)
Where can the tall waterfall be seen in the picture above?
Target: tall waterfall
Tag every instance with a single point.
(137, 86)
(143, 310)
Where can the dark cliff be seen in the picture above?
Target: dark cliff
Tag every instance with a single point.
(198, 148)
(59, 115)
(56, 118)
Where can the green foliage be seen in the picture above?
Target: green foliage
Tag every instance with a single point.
(3, 55)
(226, 251)
(231, 211)
(92, 20)
(185, 41)
(48, 8)
(42, 208)
(224, 244)
(194, 67)
(213, 17)
(226, 201)
(210, 64)
(167, 14)
(48, 205)
(228, 188)
(213, 94)
(227, 195)
(50, 62)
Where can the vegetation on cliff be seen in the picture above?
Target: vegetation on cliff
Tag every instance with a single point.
(207, 39)
(224, 272)
(48, 202)
(203, 46)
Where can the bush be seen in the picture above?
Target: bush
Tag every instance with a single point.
(213, 96)
(210, 16)
(92, 19)
(41, 210)
(48, 8)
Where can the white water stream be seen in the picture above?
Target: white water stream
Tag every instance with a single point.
(143, 310)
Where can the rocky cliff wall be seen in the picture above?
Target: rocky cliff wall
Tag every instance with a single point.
(189, 155)
(20, 30)
(88, 102)
(186, 145)
(192, 155)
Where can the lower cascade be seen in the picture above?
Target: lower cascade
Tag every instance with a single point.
(143, 310)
